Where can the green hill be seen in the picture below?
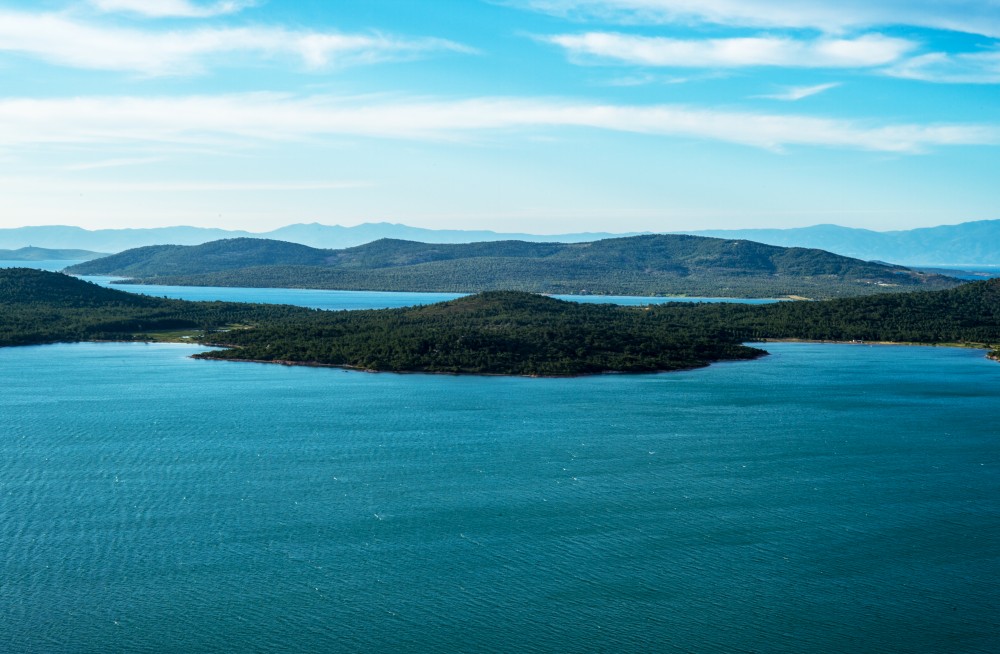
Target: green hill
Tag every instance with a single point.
(229, 254)
(638, 265)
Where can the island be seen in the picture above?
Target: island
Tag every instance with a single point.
(497, 332)
(647, 265)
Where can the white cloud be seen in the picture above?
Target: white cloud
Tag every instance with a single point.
(171, 8)
(861, 52)
(961, 68)
(796, 93)
(248, 119)
(971, 16)
(61, 40)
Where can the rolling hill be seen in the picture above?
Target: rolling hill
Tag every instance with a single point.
(638, 265)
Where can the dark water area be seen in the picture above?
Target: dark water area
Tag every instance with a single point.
(827, 498)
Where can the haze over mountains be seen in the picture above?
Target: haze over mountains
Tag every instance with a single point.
(653, 264)
(46, 254)
(972, 243)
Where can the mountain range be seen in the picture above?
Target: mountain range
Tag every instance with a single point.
(968, 244)
(655, 264)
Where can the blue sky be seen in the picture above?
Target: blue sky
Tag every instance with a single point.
(543, 116)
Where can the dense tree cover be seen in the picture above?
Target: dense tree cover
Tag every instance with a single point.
(499, 332)
(638, 265)
(42, 307)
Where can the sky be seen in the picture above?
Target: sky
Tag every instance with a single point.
(541, 116)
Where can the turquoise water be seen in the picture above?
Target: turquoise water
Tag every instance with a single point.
(339, 300)
(50, 265)
(824, 499)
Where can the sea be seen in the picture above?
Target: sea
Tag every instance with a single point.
(826, 498)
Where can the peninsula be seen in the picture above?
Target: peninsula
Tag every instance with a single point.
(503, 332)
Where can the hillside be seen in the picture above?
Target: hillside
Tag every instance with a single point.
(44, 307)
(216, 256)
(500, 332)
(45, 254)
(637, 265)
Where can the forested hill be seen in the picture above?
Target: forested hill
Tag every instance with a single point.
(43, 307)
(499, 332)
(639, 265)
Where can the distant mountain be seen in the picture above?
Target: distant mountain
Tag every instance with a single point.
(108, 240)
(638, 265)
(44, 254)
(314, 235)
(973, 243)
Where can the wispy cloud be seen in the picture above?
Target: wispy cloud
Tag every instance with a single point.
(241, 119)
(62, 40)
(50, 185)
(171, 8)
(862, 52)
(113, 163)
(960, 68)
(970, 16)
(796, 93)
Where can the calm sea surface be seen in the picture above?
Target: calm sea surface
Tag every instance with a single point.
(340, 300)
(824, 499)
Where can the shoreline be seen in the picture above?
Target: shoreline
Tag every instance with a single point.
(346, 367)
(968, 346)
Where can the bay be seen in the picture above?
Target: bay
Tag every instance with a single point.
(353, 300)
(52, 265)
(827, 498)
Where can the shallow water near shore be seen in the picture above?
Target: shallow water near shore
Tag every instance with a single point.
(827, 498)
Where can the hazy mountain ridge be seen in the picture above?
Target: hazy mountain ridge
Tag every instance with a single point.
(664, 264)
(971, 243)
(313, 235)
(46, 254)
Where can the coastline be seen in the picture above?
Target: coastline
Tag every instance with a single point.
(314, 364)
(992, 353)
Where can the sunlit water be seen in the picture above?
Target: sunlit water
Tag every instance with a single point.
(823, 499)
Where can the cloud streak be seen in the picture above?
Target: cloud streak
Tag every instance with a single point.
(240, 120)
(171, 8)
(50, 185)
(970, 16)
(944, 68)
(610, 47)
(797, 93)
(64, 41)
